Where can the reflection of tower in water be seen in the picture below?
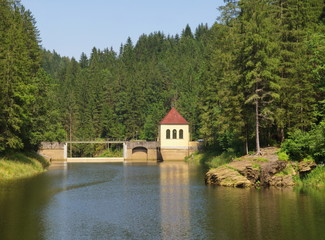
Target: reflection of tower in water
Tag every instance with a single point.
(174, 200)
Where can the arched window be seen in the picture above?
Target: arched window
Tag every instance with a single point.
(167, 134)
(174, 134)
(181, 134)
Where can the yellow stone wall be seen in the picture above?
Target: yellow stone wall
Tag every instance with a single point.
(174, 154)
(174, 143)
(151, 155)
(54, 154)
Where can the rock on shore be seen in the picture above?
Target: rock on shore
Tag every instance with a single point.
(252, 170)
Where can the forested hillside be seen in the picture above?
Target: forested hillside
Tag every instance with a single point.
(25, 99)
(126, 94)
(248, 81)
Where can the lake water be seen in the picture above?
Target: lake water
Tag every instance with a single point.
(153, 201)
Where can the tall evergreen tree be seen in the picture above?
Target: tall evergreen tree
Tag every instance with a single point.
(20, 62)
(258, 59)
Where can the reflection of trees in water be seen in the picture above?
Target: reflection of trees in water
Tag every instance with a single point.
(20, 208)
(265, 214)
(174, 200)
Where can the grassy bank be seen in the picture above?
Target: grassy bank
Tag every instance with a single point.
(21, 165)
(315, 178)
(211, 159)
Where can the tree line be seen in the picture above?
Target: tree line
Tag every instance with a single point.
(25, 92)
(248, 81)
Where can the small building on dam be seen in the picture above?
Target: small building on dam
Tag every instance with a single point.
(173, 143)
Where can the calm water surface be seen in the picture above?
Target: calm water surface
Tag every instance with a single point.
(153, 201)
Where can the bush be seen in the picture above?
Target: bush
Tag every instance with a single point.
(283, 156)
(318, 143)
(297, 146)
(303, 145)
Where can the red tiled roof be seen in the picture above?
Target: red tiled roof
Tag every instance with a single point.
(173, 117)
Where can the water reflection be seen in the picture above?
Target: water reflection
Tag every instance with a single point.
(265, 214)
(20, 202)
(153, 201)
(174, 200)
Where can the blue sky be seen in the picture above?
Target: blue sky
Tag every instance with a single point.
(71, 27)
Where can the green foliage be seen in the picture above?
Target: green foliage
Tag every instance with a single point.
(304, 145)
(125, 95)
(28, 115)
(297, 145)
(111, 153)
(222, 159)
(308, 159)
(289, 170)
(314, 178)
(283, 156)
(244, 82)
(212, 159)
(95, 150)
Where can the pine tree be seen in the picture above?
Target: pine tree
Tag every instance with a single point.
(258, 60)
(20, 62)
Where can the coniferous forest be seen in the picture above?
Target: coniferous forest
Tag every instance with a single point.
(253, 79)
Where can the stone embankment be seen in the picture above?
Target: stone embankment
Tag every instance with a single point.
(262, 170)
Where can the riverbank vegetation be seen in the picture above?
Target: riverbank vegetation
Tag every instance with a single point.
(253, 79)
(21, 165)
(314, 179)
(211, 159)
(273, 167)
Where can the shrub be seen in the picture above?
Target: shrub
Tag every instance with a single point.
(303, 145)
(297, 146)
(283, 156)
(318, 143)
(308, 159)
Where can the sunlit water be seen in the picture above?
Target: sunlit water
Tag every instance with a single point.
(153, 201)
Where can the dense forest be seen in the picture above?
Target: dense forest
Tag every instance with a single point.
(252, 79)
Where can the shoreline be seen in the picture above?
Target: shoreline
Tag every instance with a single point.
(260, 171)
(16, 166)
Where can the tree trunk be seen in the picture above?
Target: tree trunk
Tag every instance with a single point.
(258, 149)
(246, 141)
(70, 134)
(282, 134)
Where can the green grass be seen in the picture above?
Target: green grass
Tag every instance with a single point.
(111, 153)
(195, 158)
(315, 178)
(211, 159)
(259, 159)
(289, 170)
(232, 168)
(21, 165)
(256, 165)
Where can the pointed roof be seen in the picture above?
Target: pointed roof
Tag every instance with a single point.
(173, 117)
